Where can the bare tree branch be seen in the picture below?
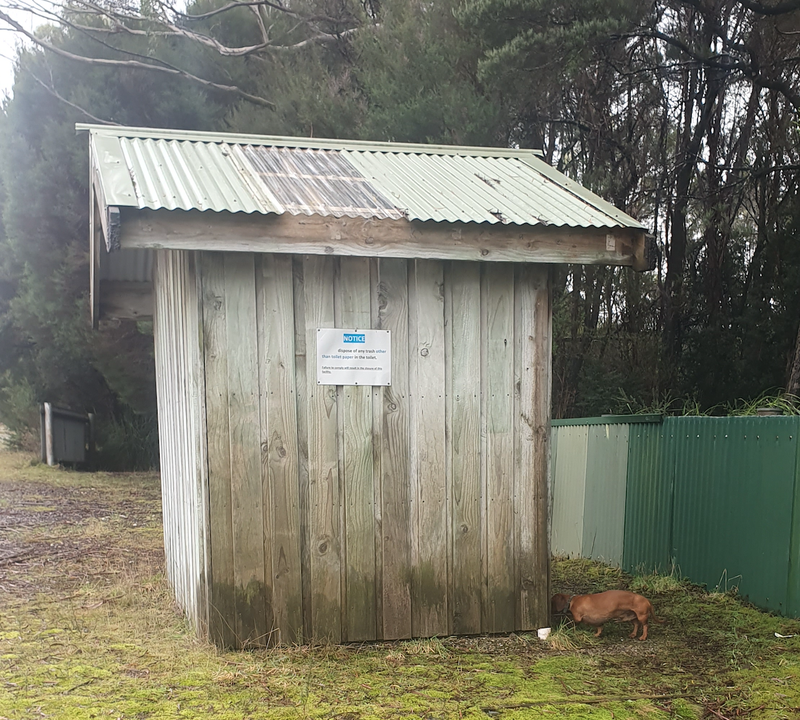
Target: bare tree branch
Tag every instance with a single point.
(782, 8)
(119, 22)
(252, 3)
(208, 41)
(51, 89)
(108, 20)
(727, 63)
(262, 28)
(108, 62)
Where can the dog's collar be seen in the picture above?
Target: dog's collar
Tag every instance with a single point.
(569, 602)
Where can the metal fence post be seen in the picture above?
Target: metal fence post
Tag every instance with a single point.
(48, 434)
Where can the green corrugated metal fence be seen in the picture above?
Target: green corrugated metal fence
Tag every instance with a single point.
(648, 502)
(717, 497)
(590, 466)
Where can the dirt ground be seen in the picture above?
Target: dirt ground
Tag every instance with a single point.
(88, 629)
(43, 546)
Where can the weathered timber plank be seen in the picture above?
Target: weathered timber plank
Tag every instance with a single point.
(498, 414)
(197, 393)
(262, 350)
(353, 301)
(180, 422)
(96, 184)
(222, 628)
(301, 389)
(162, 333)
(173, 379)
(95, 240)
(377, 449)
(177, 472)
(195, 441)
(253, 595)
(429, 603)
(323, 461)
(542, 401)
(161, 330)
(395, 479)
(533, 322)
(317, 235)
(462, 282)
(276, 352)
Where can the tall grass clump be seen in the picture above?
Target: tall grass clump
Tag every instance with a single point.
(128, 442)
(783, 403)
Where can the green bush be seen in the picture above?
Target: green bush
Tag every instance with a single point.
(127, 442)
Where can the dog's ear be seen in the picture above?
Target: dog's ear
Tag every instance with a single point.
(558, 602)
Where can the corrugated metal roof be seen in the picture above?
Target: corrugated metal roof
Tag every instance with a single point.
(172, 170)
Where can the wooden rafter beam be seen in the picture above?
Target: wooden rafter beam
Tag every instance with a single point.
(127, 300)
(317, 235)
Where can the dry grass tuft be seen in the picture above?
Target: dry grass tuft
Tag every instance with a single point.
(426, 646)
(563, 639)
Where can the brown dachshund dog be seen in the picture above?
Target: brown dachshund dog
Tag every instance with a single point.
(600, 608)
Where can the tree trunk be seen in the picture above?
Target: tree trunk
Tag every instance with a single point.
(793, 383)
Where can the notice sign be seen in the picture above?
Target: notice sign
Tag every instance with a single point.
(354, 357)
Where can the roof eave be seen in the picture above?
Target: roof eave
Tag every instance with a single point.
(317, 235)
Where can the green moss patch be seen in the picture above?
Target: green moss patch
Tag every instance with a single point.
(88, 629)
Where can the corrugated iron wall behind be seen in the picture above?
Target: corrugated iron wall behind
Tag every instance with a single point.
(604, 515)
(648, 502)
(717, 497)
(590, 466)
(734, 498)
(793, 590)
(569, 449)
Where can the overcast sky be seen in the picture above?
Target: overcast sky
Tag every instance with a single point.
(8, 44)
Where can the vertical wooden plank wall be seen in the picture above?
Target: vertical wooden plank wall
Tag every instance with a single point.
(324, 482)
(355, 432)
(533, 339)
(498, 471)
(355, 513)
(463, 295)
(222, 605)
(279, 444)
(394, 531)
(181, 412)
(251, 594)
(430, 614)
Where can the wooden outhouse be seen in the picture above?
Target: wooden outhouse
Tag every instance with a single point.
(311, 492)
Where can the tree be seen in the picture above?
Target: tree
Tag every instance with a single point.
(48, 351)
(661, 106)
(325, 87)
(682, 112)
(161, 38)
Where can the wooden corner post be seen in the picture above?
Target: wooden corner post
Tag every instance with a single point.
(534, 323)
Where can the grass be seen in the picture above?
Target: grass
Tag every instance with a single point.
(668, 404)
(88, 629)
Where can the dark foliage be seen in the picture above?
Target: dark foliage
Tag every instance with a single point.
(682, 114)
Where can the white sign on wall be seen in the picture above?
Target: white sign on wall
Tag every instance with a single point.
(354, 357)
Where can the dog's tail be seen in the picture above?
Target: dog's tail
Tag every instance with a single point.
(654, 618)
